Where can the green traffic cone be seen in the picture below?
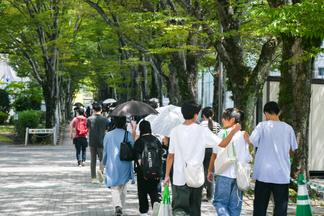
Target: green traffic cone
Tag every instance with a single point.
(303, 202)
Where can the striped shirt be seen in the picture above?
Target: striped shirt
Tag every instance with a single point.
(216, 126)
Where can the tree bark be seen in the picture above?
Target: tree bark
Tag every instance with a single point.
(50, 104)
(144, 80)
(295, 94)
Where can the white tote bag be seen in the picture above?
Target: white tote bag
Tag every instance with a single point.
(225, 157)
(194, 175)
(242, 175)
(243, 171)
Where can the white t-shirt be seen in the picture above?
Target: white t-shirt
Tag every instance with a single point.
(241, 150)
(188, 143)
(273, 140)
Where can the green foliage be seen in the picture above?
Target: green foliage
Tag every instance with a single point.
(30, 119)
(26, 96)
(4, 101)
(304, 19)
(27, 103)
(3, 117)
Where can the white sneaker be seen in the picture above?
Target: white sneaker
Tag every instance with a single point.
(100, 176)
(94, 181)
(144, 214)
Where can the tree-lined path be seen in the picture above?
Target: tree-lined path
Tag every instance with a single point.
(44, 180)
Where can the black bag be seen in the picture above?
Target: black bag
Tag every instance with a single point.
(151, 161)
(126, 152)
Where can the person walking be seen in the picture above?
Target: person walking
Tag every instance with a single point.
(97, 128)
(118, 172)
(274, 142)
(227, 196)
(148, 161)
(207, 115)
(79, 131)
(187, 147)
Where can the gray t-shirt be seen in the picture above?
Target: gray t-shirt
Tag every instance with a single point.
(97, 128)
(273, 140)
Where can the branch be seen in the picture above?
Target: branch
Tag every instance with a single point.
(33, 64)
(173, 6)
(153, 64)
(262, 67)
(100, 11)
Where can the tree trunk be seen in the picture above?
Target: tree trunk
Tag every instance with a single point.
(144, 81)
(50, 104)
(295, 94)
(157, 73)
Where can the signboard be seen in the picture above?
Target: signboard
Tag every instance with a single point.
(40, 131)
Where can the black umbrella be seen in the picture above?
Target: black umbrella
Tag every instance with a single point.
(133, 108)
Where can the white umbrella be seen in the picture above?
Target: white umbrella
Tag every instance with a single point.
(109, 101)
(151, 117)
(169, 117)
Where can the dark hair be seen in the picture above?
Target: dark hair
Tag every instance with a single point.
(96, 107)
(189, 109)
(271, 108)
(80, 111)
(235, 113)
(145, 127)
(120, 122)
(208, 113)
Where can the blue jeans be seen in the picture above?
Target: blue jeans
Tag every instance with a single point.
(227, 197)
(81, 144)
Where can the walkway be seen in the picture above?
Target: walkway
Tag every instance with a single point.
(44, 180)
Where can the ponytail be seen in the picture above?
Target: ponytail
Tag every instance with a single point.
(208, 113)
(210, 124)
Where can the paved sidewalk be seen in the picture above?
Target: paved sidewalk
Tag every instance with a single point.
(44, 180)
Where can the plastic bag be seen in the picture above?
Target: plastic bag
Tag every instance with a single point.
(165, 208)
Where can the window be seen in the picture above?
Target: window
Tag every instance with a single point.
(321, 71)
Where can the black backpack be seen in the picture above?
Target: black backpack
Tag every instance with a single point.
(151, 160)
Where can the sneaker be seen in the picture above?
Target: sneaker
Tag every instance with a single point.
(143, 214)
(118, 211)
(94, 181)
(83, 163)
(79, 163)
(100, 176)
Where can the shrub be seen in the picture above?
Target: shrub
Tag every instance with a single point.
(27, 102)
(3, 117)
(4, 101)
(30, 119)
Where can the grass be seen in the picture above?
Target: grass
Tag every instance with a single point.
(6, 129)
(5, 139)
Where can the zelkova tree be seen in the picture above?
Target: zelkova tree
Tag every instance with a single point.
(301, 39)
(31, 30)
(297, 23)
(246, 69)
(166, 42)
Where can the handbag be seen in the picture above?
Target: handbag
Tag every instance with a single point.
(194, 175)
(225, 158)
(126, 152)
